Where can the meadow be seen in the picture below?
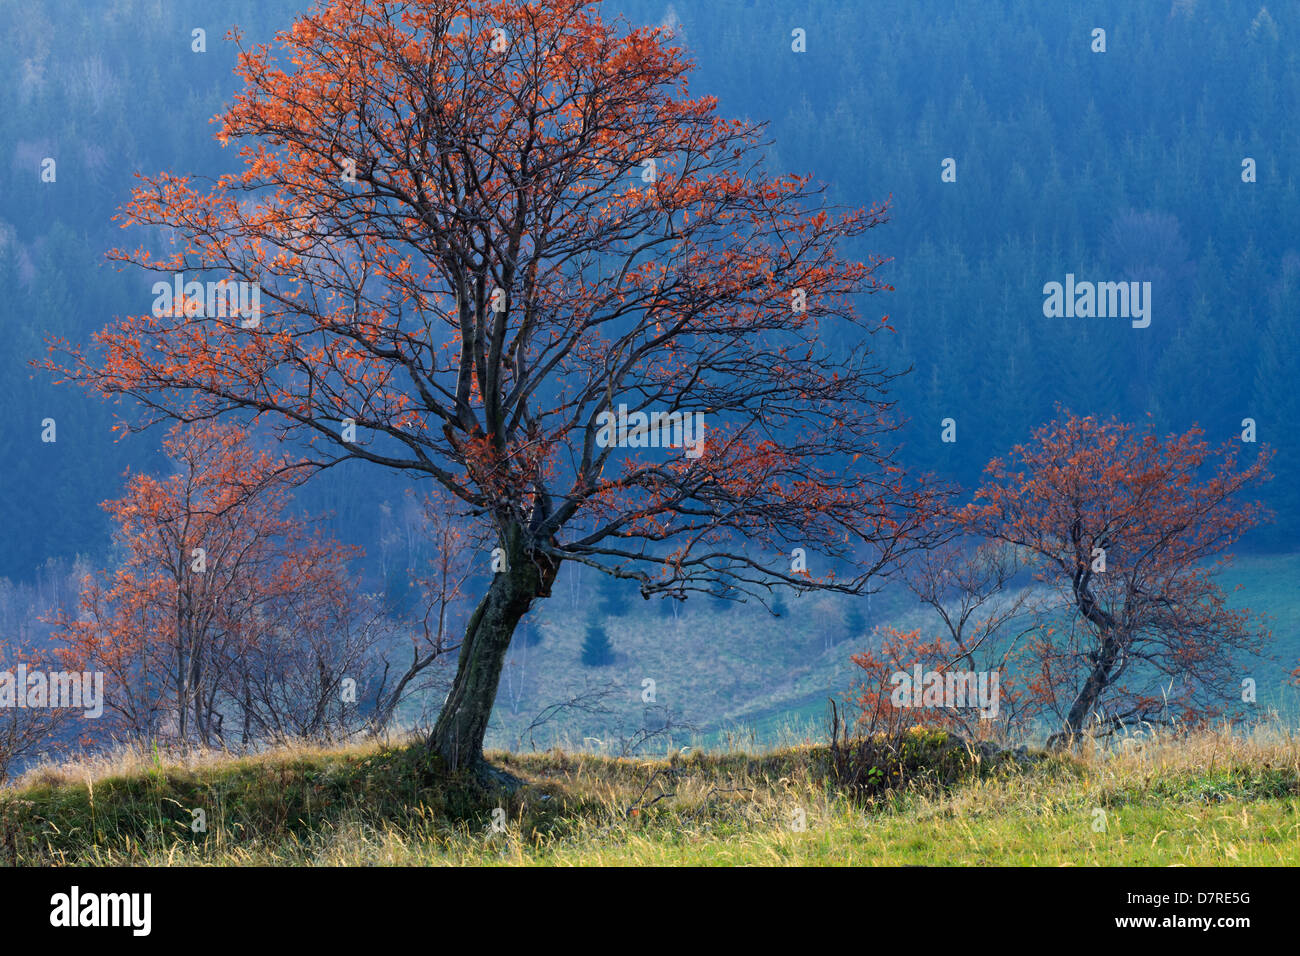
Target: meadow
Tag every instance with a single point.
(1227, 796)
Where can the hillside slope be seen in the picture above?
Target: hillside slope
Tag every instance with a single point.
(742, 671)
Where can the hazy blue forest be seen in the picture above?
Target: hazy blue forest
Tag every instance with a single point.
(1122, 165)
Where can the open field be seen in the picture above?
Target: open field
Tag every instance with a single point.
(1217, 798)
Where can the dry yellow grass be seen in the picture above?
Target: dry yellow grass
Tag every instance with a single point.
(1226, 796)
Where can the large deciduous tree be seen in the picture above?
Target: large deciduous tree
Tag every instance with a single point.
(1130, 528)
(478, 226)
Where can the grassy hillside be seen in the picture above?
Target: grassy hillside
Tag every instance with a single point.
(740, 674)
(1267, 584)
(1219, 798)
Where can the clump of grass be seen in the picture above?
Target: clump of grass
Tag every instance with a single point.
(916, 758)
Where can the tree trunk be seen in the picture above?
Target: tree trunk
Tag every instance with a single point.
(1089, 694)
(458, 735)
(1100, 676)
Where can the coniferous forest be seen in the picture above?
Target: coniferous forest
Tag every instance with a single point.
(1128, 163)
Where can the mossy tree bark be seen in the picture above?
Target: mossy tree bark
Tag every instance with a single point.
(458, 735)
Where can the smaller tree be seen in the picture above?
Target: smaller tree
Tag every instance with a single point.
(977, 642)
(896, 652)
(597, 651)
(298, 665)
(1130, 529)
(31, 732)
(195, 549)
(855, 623)
(26, 731)
(225, 605)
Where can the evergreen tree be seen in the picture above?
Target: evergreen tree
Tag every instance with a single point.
(597, 651)
(855, 623)
(615, 593)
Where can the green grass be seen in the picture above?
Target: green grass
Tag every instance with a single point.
(1217, 798)
(1221, 798)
